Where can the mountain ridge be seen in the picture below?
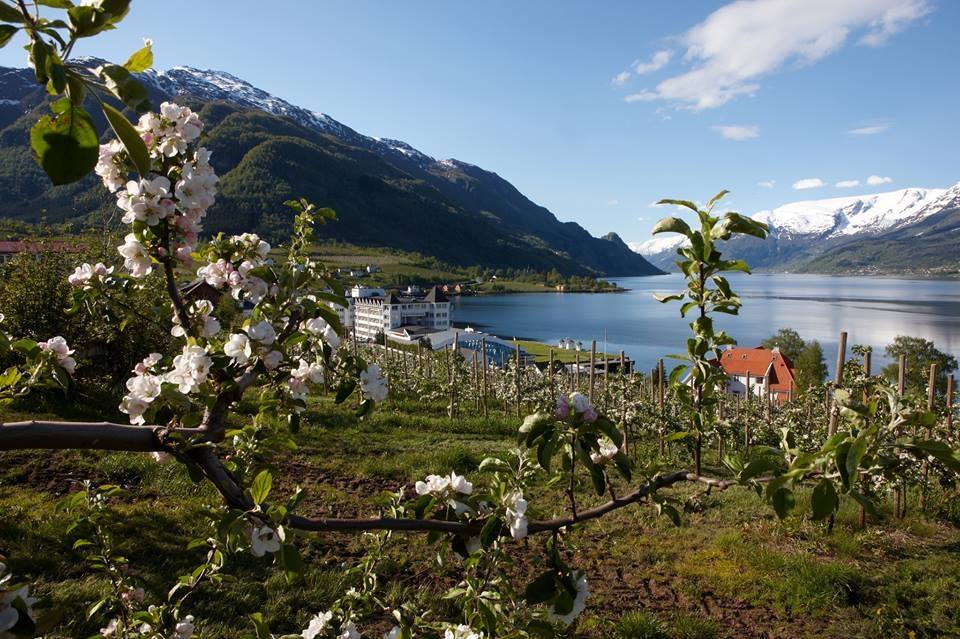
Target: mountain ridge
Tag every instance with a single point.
(388, 194)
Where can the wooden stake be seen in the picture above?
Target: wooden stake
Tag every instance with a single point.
(837, 381)
(950, 392)
(517, 346)
(902, 376)
(593, 366)
(663, 415)
(483, 393)
(553, 388)
(931, 405)
(576, 378)
(901, 491)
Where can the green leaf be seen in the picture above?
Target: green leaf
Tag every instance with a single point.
(9, 14)
(783, 502)
(6, 32)
(824, 500)
(140, 60)
(56, 4)
(67, 147)
(541, 589)
(542, 629)
(671, 225)
(685, 203)
(291, 562)
(854, 455)
(260, 488)
(490, 531)
(716, 198)
(127, 88)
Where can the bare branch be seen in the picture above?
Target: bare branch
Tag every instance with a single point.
(86, 435)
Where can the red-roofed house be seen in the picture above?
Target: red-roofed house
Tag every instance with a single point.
(760, 370)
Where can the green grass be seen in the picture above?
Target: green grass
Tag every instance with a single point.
(648, 578)
(541, 353)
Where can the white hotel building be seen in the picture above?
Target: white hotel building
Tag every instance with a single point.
(405, 318)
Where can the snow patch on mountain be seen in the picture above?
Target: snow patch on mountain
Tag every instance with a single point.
(854, 215)
(835, 218)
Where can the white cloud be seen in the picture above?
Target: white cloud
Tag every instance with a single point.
(872, 127)
(657, 62)
(643, 96)
(620, 79)
(655, 204)
(808, 183)
(876, 180)
(737, 132)
(743, 41)
(640, 219)
(767, 184)
(613, 202)
(847, 184)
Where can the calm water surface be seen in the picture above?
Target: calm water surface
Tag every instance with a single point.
(872, 310)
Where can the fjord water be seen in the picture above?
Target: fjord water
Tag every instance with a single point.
(872, 310)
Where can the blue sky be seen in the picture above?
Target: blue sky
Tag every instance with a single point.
(530, 90)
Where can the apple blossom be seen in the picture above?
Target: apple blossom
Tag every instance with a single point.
(317, 625)
(237, 347)
(607, 450)
(395, 633)
(319, 327)
(579, 602)
(107, 167)
(136, 259)
(517, 515)
(13, 603)
(190, 369)
(348, 631)
(262, 332)
(58, 346)
(184, 628)
(372, 384)
(201, 311)
(461, 632)
(272, 359)
(264, 540)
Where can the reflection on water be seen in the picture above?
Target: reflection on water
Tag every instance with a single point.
(872, 310)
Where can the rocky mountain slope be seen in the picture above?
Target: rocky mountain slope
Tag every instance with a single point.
(267, 150)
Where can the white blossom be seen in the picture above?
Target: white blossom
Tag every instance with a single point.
(319, 327)
(136, 259)
(237, 348)
(190, 369)
(372, 384)
(461, 632)
(107, 167)
(262, 332)
(58, 346)
(579, 603)
(395, 633)
(517, 515)
(272, 359)
(348, 631)
(607, 451)
(184, 628)
(264, 540)
(317, 625)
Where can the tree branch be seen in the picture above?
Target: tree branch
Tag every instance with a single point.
(86, 435)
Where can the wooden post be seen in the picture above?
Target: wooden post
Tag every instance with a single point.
(553, 388)
(900, 505)
(867, 362)
(576, 376)
(662, 394)
(950, 392)
(593, 366)
(623, 389)
(766, 389)
(516, 345)
(931, 405)
(837, 381)
(476, 382)
(606, 380)
(483, 372)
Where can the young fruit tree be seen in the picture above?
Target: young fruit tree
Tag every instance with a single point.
(282, 343)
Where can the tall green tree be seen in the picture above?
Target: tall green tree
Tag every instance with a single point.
(788, 341)
(920, 353)
(810, 367)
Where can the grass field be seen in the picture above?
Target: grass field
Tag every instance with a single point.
(541, 353)
(731, 570)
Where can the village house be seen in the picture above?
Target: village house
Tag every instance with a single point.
(758, 371)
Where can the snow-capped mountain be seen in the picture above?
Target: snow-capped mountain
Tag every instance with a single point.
(801, 231)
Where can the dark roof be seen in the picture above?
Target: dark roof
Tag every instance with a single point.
(392, 298)
(435, 295)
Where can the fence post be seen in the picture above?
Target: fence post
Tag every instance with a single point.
(476, 382)
(517, 346)
(483, 393)
(931, 404)
(837, 380)
(950, 408)
(900, 499)
(553, 390)
(663, 415)
(576, 375)
(593, 366)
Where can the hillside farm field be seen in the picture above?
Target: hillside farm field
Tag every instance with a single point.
(730, 570)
